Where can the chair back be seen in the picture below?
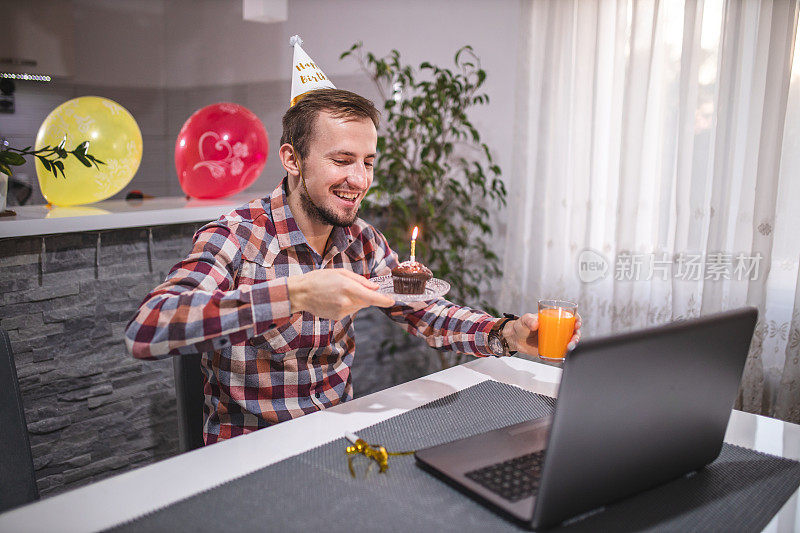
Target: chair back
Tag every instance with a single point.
(190, 397)
(17, 478)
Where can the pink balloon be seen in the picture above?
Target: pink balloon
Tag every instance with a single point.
(221, 150)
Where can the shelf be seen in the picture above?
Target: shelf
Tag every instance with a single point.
(37, 220)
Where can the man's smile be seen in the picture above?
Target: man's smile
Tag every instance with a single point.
(348, 197)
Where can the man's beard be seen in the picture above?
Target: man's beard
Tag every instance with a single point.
(321, 214)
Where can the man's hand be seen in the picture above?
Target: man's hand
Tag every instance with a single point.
(334, 293)
(522, 334)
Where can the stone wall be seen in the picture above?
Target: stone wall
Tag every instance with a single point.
(93, 410)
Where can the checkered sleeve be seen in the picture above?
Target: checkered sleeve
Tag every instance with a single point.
(443, 324)
(198, 308)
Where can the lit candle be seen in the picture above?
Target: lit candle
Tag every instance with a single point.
(414, 242)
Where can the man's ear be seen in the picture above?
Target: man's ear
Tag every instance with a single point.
(289, 160)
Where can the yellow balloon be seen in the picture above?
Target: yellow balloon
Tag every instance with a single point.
(114, 138)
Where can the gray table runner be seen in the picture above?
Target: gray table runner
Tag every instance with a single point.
(742, 490)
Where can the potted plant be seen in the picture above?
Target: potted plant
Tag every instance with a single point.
(435, 172)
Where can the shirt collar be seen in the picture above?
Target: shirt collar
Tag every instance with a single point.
(288, 232)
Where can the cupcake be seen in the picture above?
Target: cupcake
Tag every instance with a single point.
(410, 277)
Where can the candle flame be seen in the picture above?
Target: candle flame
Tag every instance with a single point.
(413, 243)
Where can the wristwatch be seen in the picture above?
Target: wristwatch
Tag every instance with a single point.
(497, 343)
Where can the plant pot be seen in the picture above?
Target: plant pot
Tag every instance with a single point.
(3, 191)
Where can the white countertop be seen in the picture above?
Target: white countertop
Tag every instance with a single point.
(32, 220)
(109, 502)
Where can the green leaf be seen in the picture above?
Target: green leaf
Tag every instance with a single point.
(83, 159)
(59, 165)
(5, 169)
(82, 148)
(403, 207)
(11, 158)
(45, 163)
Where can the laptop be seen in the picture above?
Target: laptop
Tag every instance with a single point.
(634, 411)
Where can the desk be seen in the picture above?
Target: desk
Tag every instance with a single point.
(111, 501)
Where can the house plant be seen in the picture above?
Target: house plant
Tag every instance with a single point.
(434, 170)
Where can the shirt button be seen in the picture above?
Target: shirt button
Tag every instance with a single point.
(317, 395)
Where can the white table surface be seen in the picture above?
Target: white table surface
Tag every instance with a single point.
(126, 496)
(32, 220)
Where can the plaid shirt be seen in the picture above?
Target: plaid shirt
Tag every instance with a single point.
(262, 364)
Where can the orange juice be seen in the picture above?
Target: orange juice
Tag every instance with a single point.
(556, 327)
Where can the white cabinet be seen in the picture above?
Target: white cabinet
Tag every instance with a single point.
(37, 37)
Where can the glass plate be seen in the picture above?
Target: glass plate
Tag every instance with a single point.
(434, 289)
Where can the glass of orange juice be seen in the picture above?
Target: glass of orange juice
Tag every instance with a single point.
(556, 327)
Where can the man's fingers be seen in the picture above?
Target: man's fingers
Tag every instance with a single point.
(370, 297)
(525, 325)
(574, 341)
(577, 337)
(531, 321)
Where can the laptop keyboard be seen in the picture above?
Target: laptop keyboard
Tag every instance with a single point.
(515, 479)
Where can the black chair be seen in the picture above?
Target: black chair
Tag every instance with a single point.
(17, 478)
(189, 393)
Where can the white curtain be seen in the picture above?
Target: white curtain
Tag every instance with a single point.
(661, 140)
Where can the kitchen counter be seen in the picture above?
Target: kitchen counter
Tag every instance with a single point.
(36, 220)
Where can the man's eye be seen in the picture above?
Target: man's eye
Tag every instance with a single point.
(340, 161)
(369, 164)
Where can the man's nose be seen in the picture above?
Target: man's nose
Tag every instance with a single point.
(358, 176)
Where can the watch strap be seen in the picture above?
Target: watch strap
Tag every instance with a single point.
(497, 331)
(510, 317)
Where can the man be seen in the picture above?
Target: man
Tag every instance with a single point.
(269, 291)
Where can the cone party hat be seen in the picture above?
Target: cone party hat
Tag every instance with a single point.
(306, 75)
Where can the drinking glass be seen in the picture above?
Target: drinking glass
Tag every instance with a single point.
(556, 327)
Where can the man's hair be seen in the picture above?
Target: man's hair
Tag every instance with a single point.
(300, 120)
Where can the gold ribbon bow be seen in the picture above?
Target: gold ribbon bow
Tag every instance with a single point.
(376, 452)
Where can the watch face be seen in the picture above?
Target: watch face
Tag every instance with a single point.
(495, 345)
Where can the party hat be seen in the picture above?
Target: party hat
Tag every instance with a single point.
(306, 75)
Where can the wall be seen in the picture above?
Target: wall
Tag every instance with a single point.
(163, 60)
(160, 114)
(156, 174)
(120, 43)
(66, 299)
(211, 45)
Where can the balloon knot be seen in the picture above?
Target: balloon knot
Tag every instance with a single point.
(295, 39)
